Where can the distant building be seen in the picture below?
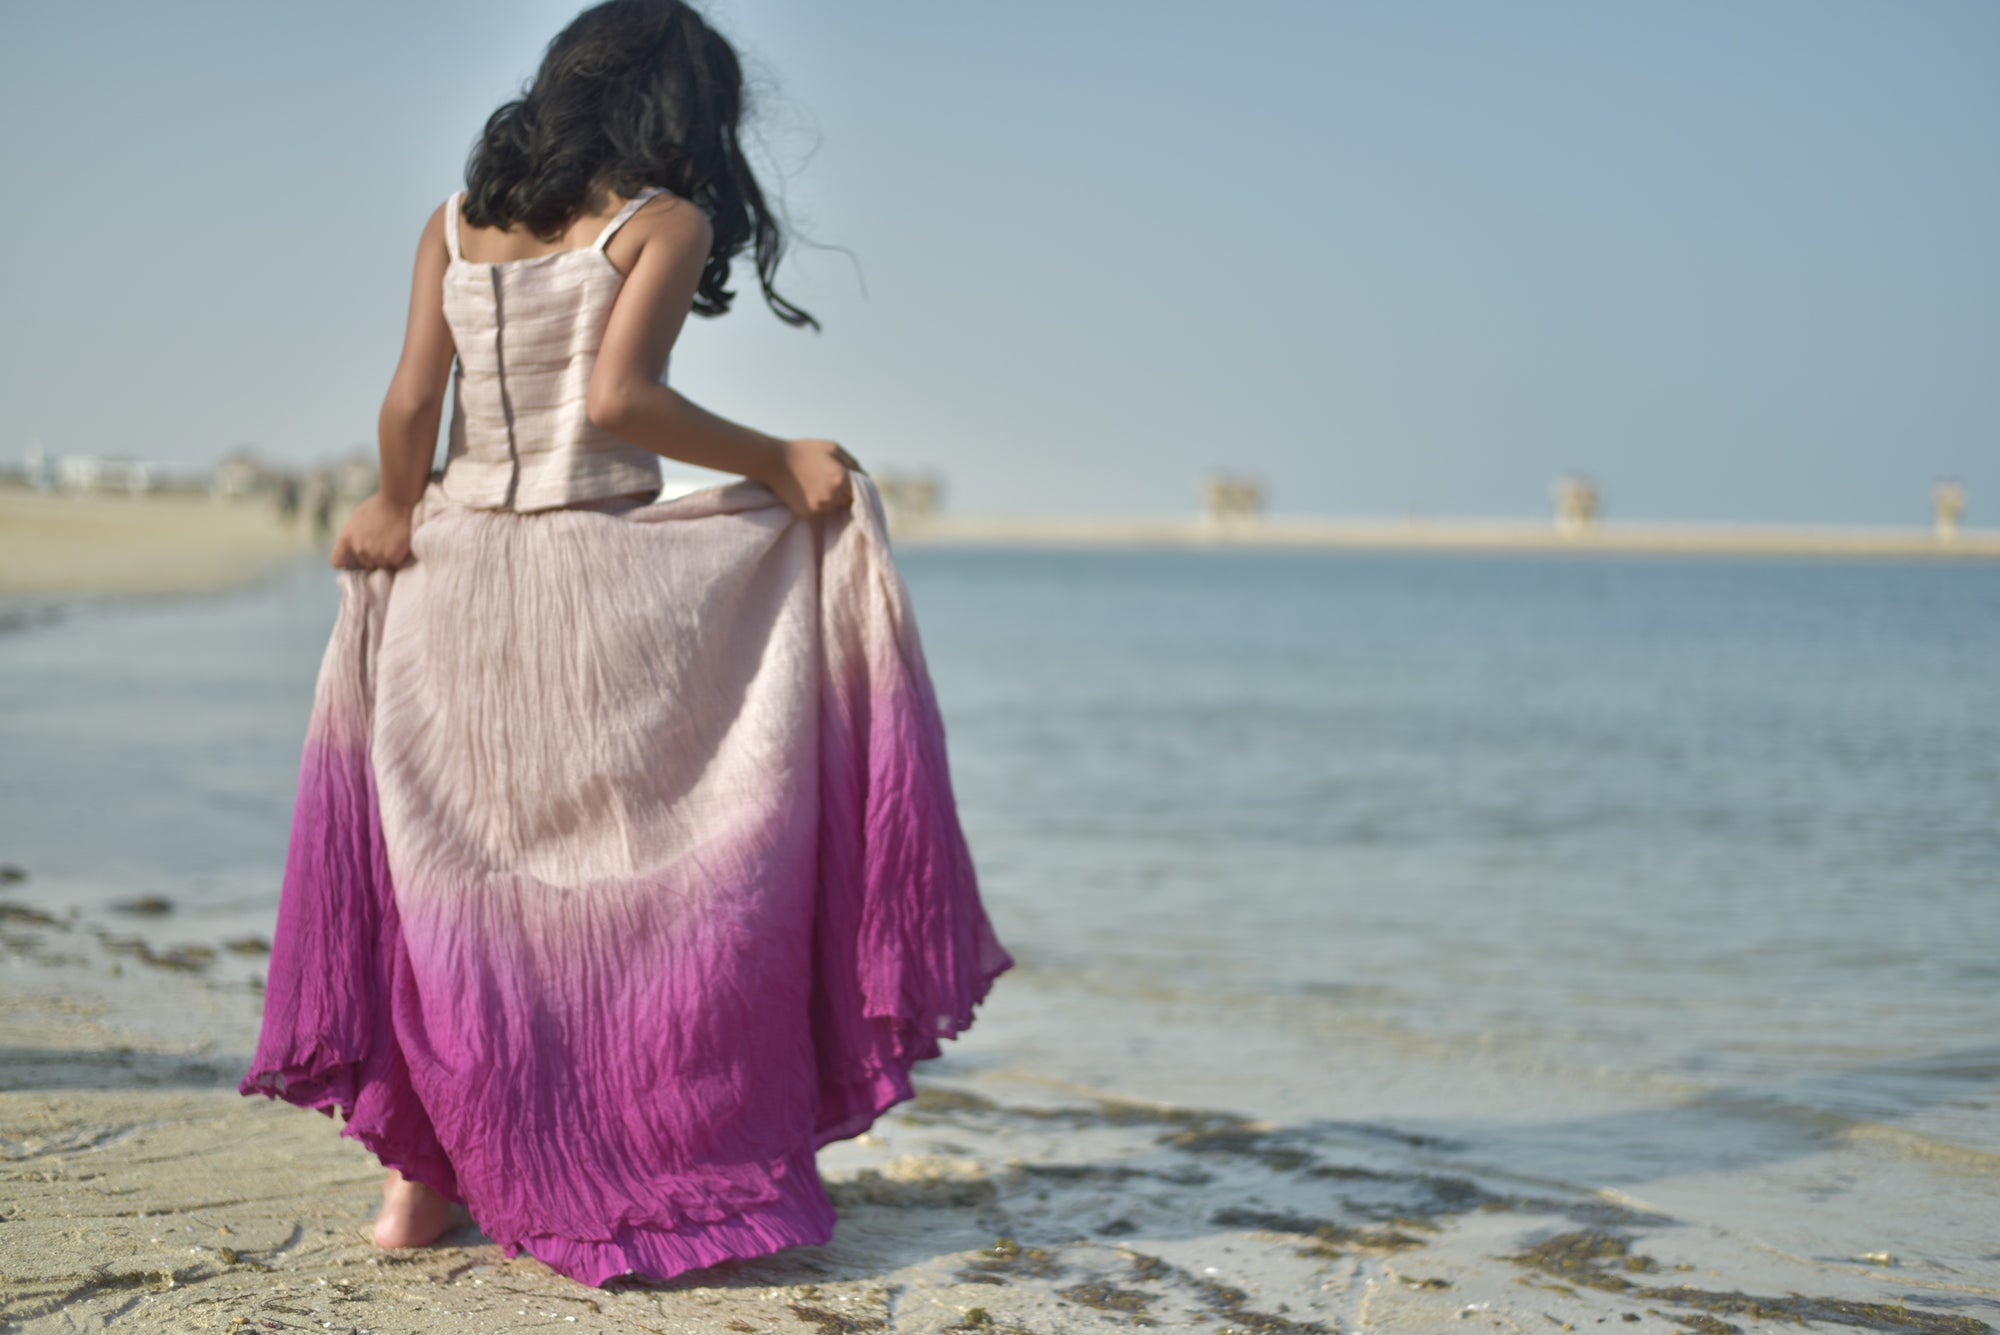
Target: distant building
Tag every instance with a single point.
(244, 472)
(319, 497)
(78, 472)
(908, 499)
(1231, 499)
(108, 474)
(1948, 500)
(1578, 504)
(88, 473)
(35, 466)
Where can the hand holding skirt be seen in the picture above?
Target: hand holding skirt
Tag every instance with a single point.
(625, 873)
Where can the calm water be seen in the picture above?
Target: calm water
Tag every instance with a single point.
(1723, 833)
(1732, 821)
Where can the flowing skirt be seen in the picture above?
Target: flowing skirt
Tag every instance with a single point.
(625, 873)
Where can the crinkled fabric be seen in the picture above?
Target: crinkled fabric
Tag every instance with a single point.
(625, 873)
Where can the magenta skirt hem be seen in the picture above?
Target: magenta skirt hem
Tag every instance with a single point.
(303, 1088)
(857, 1105)
(651, 1254)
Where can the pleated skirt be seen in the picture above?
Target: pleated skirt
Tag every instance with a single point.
(625, 873)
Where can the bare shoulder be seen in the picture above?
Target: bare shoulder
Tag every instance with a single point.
(668, 219)
(432, 237)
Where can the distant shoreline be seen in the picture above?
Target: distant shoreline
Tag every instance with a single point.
(1468, 535)
(55, 546)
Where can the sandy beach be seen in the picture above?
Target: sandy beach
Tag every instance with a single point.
(54, 545)
(142, 1192)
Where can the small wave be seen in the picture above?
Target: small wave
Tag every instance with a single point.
(1852, 1128)
(1920, 1145)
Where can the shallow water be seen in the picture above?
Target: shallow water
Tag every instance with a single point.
(1728, 822)
(1679, 878)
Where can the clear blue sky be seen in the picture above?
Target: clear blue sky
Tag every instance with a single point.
(1739, 259)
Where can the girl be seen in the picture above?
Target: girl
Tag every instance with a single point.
(625, 871)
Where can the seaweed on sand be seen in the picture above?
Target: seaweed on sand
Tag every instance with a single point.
(1594, 1259)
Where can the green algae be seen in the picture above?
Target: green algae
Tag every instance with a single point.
(933, 1104)
(1215, 1133)
(1594, 1259)
(1206, 1133)
(1107, 1297)
(1007, 1258)
(144, 906)
(1230, 1304)
(835, 1323)
(178, 959)
(1085, 1172)
(1327, 1236)
(1708, 1325)
(979, 1321)
(1381, 1210)
(1582, 1259)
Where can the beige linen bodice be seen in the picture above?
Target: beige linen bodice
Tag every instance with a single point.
(527, 333)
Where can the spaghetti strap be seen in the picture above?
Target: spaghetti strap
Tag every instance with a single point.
(618, 219)
(451, 207)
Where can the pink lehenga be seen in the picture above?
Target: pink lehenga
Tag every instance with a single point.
(625, 872)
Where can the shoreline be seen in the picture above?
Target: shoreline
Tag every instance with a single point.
(141, 1187)
(1455, 535)
(56, 548)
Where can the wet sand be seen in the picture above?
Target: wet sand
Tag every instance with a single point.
(54, 545)
(138, 1190)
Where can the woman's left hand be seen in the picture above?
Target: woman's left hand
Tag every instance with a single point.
(811, 477)
(375, 537)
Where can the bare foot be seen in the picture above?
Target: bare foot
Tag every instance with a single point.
(412, 1214)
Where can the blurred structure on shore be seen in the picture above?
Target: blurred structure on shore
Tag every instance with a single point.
(1948, 498)
(242, 476)
(311, 502)
(1578, 503)
(86, 525)
(1231, 502)
(1234, 513)
(909, 500)
(245, 472)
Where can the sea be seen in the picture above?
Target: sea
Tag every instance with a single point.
(1673, 879)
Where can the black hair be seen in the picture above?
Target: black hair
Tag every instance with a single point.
(633, 93)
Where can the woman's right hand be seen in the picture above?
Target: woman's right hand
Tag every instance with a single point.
(375, 537)
(812, 477)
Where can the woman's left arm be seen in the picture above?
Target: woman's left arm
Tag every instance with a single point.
(377, 534)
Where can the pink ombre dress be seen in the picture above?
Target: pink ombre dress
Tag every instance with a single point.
(625, 871)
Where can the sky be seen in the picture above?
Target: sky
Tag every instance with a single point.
(1734, 259)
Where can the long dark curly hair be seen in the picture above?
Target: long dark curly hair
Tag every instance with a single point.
(633, 93)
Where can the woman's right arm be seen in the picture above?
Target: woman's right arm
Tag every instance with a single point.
(626, 396)
(377, 532)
